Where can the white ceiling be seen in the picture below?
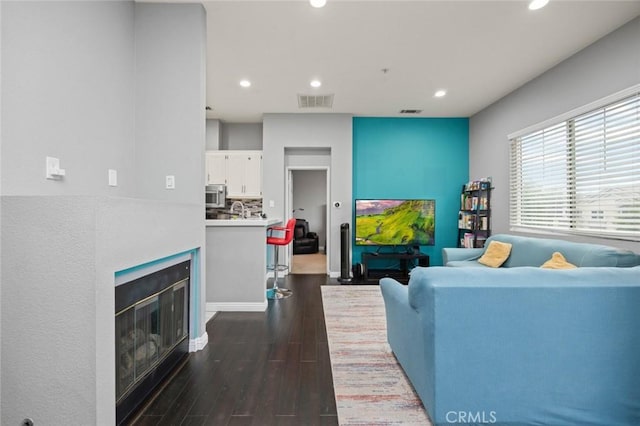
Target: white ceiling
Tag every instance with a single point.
(478, 51)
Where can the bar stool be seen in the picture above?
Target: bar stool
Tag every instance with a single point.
(283, 240)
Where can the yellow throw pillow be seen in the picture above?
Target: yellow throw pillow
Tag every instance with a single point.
(558, 261)
(496, 254)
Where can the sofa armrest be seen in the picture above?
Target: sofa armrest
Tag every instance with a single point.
(457, 253)
(394, 292)
(406, 334)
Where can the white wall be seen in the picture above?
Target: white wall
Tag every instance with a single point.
(170, 41)
(212, 135)
(329, 131)
(48, 313)
(244, 136)
(307, 157)
(310, 193)
(77, 78)
(68, 92)
(607, 66)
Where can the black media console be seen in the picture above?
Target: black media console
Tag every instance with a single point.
(374, 266)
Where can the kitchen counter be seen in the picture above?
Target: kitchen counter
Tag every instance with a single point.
(242, 222)
(236, 264)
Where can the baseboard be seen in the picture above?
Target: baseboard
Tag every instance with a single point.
(237, 307)
(209, 316)
(198, 343)
(333, 274)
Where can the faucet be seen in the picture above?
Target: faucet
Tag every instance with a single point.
(242, 211)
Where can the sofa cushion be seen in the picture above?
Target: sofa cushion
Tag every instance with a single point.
(557, 261)
(496, 254)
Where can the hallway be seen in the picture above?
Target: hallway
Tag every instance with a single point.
(309, 263)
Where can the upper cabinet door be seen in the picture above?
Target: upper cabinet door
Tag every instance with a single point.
(216, 168)
(235, 175)
(241, 171)
(253, 175)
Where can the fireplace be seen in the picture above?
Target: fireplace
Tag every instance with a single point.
(152, 333)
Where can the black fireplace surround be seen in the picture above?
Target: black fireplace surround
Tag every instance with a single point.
(152, 333)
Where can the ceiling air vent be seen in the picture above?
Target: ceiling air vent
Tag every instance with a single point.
(315, 101)
(410, 111)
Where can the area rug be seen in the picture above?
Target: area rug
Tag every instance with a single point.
(369, 384)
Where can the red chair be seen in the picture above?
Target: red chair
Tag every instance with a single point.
(283, 239)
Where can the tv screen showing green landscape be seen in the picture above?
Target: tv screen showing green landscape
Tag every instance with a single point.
(395, 222)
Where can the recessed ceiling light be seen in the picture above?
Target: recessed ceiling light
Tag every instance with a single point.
(317, 3)
(537, 4)
(440, 93)
(245, 83)
(315, 83)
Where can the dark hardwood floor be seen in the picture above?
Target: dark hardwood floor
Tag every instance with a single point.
(267, 368)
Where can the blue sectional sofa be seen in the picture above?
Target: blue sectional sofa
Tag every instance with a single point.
(520, 345)
(528, 251)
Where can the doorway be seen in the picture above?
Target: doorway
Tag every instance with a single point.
(308, 203)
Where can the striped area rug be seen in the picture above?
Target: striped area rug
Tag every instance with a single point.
(370, 386)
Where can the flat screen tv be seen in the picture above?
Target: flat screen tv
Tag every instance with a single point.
(395, 222)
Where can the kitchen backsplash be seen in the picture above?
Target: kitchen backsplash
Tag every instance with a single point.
(254, 206)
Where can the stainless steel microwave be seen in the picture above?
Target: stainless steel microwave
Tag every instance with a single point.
(215, 196)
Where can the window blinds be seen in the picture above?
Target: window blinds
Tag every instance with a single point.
(580, 175)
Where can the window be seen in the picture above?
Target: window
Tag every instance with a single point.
(580, 173)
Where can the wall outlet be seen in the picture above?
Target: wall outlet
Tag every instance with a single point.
(170, 182)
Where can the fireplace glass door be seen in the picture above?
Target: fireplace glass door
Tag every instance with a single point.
(147, 331)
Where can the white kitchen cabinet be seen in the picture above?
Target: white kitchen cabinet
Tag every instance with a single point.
(244, 174)
(216, 167)
(242, 171)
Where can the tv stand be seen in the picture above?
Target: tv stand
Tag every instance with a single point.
(406, 261)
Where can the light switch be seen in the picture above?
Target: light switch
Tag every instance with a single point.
(170, 182)
(53, 169)
(272, 203)
(113, 177)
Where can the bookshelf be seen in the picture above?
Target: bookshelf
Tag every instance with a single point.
(474, 217)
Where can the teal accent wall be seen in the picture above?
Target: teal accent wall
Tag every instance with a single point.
(125, 275)
(413, 158)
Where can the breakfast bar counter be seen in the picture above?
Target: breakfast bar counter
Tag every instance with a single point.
(236, 264)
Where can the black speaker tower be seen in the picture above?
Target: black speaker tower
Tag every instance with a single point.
(345, 278)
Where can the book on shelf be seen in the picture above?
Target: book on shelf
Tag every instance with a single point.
(466, 220)
(478, 185)
(482, 205)
(473, 203)
(468, 240)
